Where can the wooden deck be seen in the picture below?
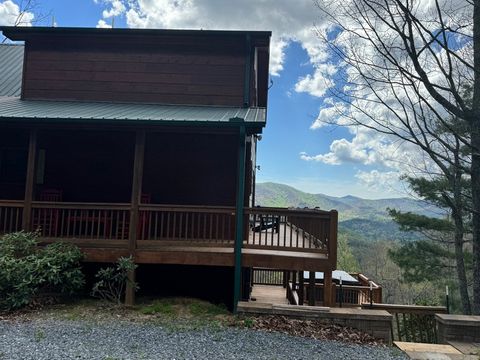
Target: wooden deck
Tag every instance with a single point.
(186, 235)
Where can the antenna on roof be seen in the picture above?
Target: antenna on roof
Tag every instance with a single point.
(54, 24)
(113, 22)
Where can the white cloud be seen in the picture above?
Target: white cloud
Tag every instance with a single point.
(10, 15)
(103, 24)
(318, 84)
(341, 151)
(367, 147)
(117, 8)
(381, 181)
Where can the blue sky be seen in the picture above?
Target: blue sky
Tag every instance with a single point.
(291, 110)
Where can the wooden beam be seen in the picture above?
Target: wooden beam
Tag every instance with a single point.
(332, 244)
(327, 288)
(301, 288)
(134, 204)
(239, 215)
(29, 182)
(311, 289)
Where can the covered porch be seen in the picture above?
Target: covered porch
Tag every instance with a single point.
(162, 194)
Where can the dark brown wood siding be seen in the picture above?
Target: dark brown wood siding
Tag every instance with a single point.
(193, 71)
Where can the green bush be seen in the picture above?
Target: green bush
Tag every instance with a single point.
(113, 280)
(27, 270)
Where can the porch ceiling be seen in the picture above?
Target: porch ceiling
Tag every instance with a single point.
(15, 109)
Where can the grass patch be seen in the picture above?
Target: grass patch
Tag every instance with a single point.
(198, 308)
(185, 314)
(183, 308)
(175, 314)
(162, 307)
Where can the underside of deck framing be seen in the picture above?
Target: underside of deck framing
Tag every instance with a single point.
(211, 256)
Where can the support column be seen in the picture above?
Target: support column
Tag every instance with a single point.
(301, 288)
(134, 213)
(246, 284)
(311, 289)
(286, 275)
(327, 288)
(239, 231)
(29, 181)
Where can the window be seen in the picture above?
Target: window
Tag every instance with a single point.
(13, 165)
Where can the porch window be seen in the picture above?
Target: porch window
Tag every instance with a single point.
(13, 165)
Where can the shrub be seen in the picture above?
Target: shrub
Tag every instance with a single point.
(112, 281)
(27, 270)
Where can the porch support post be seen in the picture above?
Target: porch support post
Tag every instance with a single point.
(29, 181)
(327, 288)
(239, 231)
(134, 204)
(311, 289)
(301, 288)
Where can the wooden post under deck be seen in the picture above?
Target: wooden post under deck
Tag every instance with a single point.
(29, 182)
(311, 289)
(301, 288)
(135, 201)
(327, 288)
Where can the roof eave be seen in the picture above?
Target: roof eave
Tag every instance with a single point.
(21, 33)
(252, 127)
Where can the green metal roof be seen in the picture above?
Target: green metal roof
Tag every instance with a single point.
(14, 109)
(11, 68)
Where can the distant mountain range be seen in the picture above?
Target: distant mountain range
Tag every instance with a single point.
(363, 218)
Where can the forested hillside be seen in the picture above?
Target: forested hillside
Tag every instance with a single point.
(366, 236)
(362, 219)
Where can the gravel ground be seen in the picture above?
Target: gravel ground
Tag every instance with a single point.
(65, 339)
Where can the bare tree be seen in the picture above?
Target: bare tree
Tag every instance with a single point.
(30, 12)
(405, 65)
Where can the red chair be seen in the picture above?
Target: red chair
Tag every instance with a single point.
(51, 195)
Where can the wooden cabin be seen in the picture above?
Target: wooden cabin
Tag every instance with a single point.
(143, 143)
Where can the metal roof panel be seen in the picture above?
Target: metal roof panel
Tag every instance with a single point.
(12, 108)
(11, 69)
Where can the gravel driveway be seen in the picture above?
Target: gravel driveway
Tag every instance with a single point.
(65, 339)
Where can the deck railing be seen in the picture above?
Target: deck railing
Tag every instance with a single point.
(209, 225)
(412, 323)
(105, 221)
(348, 295)
(11, 213)
(262, 276)
(291, 229)
(265, 228)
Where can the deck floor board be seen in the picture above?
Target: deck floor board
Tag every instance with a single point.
(269, 294)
